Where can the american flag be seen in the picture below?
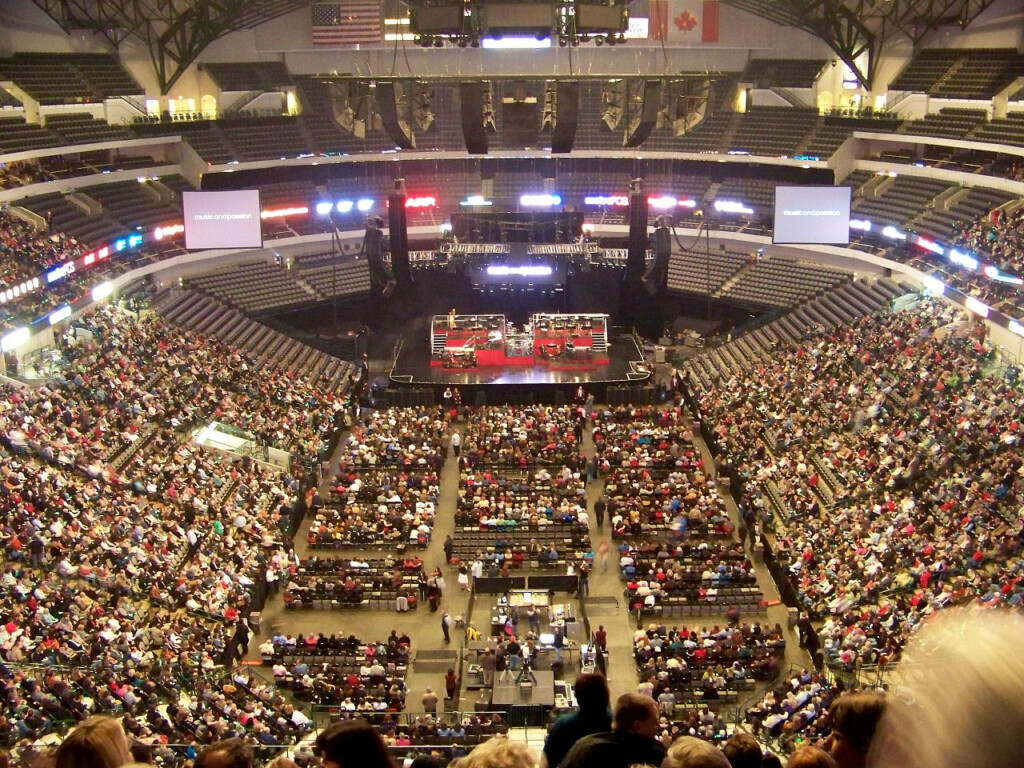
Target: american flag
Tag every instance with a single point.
(348, 22)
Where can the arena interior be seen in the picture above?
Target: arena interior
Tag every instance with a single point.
(398, 363)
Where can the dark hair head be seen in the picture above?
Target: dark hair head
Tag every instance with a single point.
(591, 691)
(353, 743)
(743, 751)
(856, 716)
(230, 753)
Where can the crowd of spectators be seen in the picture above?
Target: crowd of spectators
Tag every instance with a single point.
(336, 582)
(523, 437)
(704, 664)
(689, 575)
(496, 498)
(369, 506)
(410, 438)
(25, 254)
(920, 445)
(794, 711)
(342, 673)
(655, 482)
(129, 552)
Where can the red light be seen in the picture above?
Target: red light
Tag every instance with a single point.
(104, 252)
(421, 202)
(280, 213)
(90, 259)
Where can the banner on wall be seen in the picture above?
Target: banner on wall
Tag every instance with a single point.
(684, 21)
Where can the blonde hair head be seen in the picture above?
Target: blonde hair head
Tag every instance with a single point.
(956, 696)
(498, 752)
(98, 742)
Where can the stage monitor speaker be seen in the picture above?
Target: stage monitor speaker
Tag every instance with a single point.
(387, 108)
(567, 109)
(471, 98)
(643, 115)
(398, 231)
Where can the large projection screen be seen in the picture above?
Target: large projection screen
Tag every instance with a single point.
(812, 215)
(222, 219)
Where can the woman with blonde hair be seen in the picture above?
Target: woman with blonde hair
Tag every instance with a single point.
(498, 752)
(98, 742)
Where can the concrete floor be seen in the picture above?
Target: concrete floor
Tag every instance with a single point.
(424, 628)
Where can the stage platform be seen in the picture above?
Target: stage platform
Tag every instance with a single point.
(549, 381)
(508, 694)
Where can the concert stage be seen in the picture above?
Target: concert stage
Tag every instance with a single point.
(525, 709)
(519, 380)
(510, 694)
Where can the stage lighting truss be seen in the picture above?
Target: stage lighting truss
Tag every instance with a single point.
(465, 23)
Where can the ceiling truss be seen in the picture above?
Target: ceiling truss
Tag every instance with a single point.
(855, 27)
(174, 31)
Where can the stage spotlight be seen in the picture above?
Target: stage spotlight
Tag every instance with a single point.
(584, 38)
(621, 38)
(462, 42)
(599, 40)
(562, 41)
(610, 39)
(438, 42)
(475, 42)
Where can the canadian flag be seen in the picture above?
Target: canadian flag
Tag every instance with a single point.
(684, 21)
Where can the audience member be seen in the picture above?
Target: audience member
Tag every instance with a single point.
(352, 744)
(632, 739)
(690, 752)
(593, 716)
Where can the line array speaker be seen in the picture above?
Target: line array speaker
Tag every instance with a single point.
(567, 110)
(393, 124)
(471, 98)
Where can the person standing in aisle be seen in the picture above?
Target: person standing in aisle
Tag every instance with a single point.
(449, 549)
(456, 444)
(446, 626)
(599, 509)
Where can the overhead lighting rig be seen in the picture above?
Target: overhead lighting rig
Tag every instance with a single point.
(500, 23)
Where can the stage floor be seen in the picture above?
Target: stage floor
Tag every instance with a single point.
(624, 367)
(508, 694)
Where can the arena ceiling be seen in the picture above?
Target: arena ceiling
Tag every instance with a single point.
(177, 31)
(854, 27)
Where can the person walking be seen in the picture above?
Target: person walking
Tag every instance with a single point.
(501, 665)
(583, 579)
(449, 549)
(600, 506)
(489, 664)
(603, 550)
(446, 626)
(456, 444)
